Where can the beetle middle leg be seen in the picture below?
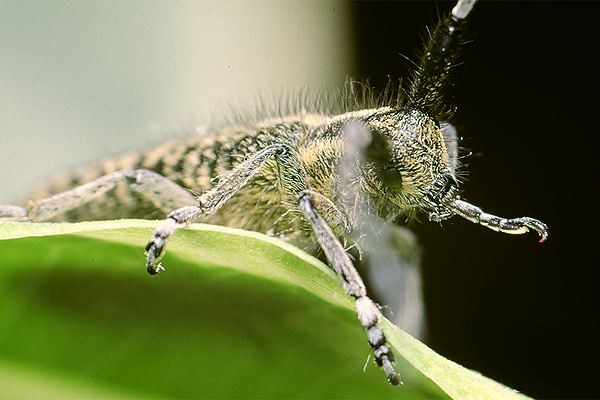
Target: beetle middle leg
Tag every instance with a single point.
(209, 202)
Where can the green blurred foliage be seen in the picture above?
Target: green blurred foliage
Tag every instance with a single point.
(235, 315)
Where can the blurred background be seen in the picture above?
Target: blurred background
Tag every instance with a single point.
(523, 313)
(87, 80)
(83, 80)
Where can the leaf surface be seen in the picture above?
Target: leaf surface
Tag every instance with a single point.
(236, 314)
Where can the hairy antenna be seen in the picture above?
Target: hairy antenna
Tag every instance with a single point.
(439, 56)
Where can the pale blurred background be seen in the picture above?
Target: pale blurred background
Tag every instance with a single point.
(86, 80)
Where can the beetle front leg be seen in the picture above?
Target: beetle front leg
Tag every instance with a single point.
(368, 313)
(513, 226)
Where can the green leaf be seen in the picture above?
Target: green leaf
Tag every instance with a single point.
(236, 314)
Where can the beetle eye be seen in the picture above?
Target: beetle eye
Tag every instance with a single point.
(448, 186)
(391, 177)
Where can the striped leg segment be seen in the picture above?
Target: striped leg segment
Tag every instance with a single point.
(368, 313)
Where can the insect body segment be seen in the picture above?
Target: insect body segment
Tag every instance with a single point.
(410, 164)
(320, 181)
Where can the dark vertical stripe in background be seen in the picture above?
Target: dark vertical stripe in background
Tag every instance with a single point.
(522, 313)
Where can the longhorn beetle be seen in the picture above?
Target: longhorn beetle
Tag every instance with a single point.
(321, 178)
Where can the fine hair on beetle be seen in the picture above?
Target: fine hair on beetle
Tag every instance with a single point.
(327, 173)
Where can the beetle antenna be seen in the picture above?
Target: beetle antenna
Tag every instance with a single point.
(439, 56)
